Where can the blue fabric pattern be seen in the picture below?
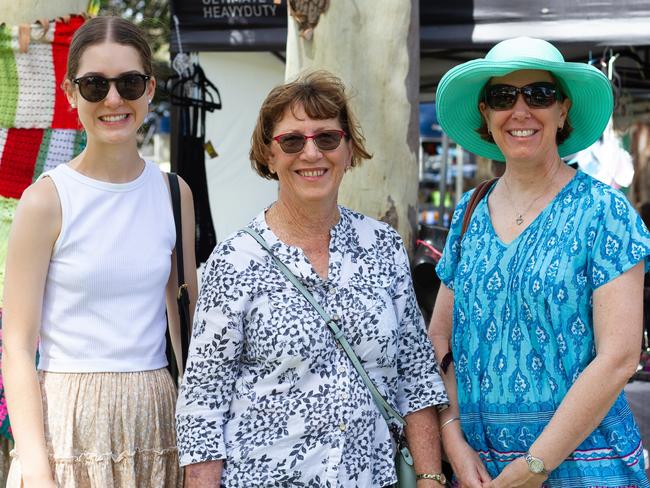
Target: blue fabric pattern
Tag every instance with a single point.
(266, 387)
(523, 332)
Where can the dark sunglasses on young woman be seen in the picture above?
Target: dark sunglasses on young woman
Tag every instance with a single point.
(541, 94)
(294, 142)
(95, 88)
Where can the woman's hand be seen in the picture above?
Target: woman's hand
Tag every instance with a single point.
(517, 475)
(467, 465)
(45, 483)
(202, 475)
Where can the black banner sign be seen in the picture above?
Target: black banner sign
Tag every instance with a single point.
(230, 25)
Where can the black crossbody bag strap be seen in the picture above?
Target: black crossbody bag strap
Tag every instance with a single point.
(182, 295)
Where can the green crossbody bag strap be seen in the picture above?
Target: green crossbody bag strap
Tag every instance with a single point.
(384, 407)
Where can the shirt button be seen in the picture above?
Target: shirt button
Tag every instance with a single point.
(332, 290)
(342, 426)
(336, 317)
(341, 369)
(345, 396)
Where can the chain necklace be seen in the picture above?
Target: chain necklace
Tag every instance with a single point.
(520, 215)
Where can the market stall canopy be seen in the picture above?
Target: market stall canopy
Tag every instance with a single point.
(453, 32)
(584, 30)
(260, 25)
(471, 23)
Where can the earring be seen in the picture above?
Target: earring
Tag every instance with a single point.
(149, 100)
(73, 105)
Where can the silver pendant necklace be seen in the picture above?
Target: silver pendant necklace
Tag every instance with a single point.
(519, 215)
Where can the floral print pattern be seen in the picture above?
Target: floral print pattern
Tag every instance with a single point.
(268, 389)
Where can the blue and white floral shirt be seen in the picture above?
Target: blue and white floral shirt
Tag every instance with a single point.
(266, 387)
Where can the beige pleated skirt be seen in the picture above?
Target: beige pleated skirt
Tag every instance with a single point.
(109, 430)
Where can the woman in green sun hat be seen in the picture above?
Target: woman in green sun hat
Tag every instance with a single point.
(538, 319)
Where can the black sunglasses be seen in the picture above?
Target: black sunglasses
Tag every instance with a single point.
(94, 88)
(541, 94)
(294, 142)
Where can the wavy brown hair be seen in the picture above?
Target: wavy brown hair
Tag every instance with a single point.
(322, 95)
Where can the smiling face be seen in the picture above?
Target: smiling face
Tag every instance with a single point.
(114, 119)
(524, 133)
(311, 175)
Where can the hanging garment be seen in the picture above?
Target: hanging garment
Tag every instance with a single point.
(195, 95)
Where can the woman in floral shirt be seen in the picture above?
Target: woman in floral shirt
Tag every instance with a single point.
(268, 398)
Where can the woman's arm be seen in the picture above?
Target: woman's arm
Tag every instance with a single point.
(618, 319)
(200, 475)
(35, 228)
(189, 263)
(421, 430)
(464, 460)
(213, 365)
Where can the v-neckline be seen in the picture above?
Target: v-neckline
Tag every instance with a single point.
(533, 222)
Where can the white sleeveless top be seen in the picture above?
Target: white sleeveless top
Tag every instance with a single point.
(104, 302)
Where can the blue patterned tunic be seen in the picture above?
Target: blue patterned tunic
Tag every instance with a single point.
(266, 386)
(523, 331)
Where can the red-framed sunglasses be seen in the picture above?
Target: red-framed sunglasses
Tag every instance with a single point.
(294, 142)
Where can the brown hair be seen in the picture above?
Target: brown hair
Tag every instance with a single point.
(322, 95)
(562, 134)
(107, 29)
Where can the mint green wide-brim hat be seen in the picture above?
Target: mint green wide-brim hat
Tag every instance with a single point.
(460, 89)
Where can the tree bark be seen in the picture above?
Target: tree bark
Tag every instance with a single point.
(373, 45)
(28, 11)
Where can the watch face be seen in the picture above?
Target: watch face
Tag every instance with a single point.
(536, 465)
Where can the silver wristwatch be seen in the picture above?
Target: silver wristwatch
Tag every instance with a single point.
(535, 464)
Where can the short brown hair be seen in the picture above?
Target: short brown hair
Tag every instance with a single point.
(322, 95)
(107, 28)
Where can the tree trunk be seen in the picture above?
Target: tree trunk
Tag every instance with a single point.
(28, 11)
(373, 45)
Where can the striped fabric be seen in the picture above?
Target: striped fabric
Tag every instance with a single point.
(26, 153)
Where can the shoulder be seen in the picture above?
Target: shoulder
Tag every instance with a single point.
(38, 213)
(187, 201)
(239, 246)
(41, 200)
(185, 190)
(368, 227)
(372, 238)
(601, 199)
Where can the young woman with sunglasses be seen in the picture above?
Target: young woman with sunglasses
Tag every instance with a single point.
(91, 273)
(268, 398)
(539, 314)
